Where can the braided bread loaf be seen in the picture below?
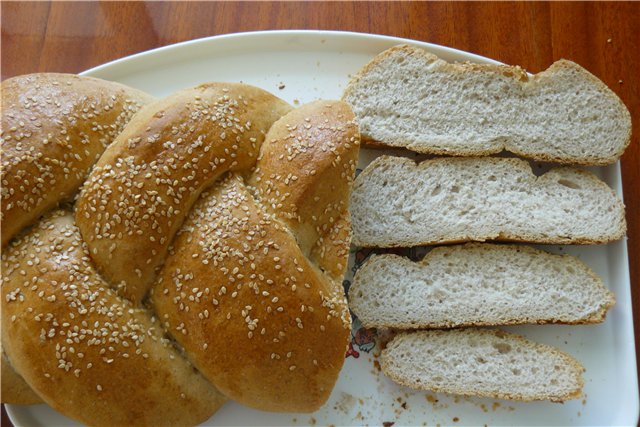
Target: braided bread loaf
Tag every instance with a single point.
(204, 262)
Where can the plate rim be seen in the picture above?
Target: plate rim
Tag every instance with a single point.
(163, 52)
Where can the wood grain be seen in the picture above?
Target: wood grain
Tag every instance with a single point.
(602, 37)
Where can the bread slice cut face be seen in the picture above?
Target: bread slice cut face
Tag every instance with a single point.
(477, 284)
(397, 203)
(407, 97)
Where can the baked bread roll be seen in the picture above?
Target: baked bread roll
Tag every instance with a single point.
(77, 325)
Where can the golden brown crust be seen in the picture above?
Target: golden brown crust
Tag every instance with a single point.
(72, 333)
(87, 352)
(54, 127)
(244, 274)
(252, 313)
(143, 186)
(304, 176)
(14, 389)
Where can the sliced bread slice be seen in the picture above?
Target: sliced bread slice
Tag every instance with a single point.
(482, 362)
(397, 203)
(477, 284)
(407, 97)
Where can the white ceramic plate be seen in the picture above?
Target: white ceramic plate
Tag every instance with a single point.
(302, 66)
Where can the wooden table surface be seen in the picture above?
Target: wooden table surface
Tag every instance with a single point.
(602, 37)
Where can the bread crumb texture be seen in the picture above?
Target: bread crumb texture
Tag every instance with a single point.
(407, 97)
(396, 202)
(477, 284)
(482, 362)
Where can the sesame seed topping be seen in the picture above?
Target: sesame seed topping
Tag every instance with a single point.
(240, 242)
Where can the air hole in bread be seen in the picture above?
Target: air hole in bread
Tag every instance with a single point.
(569, 184)
(502, 348)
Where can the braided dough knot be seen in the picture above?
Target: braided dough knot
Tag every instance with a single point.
(203, 262)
